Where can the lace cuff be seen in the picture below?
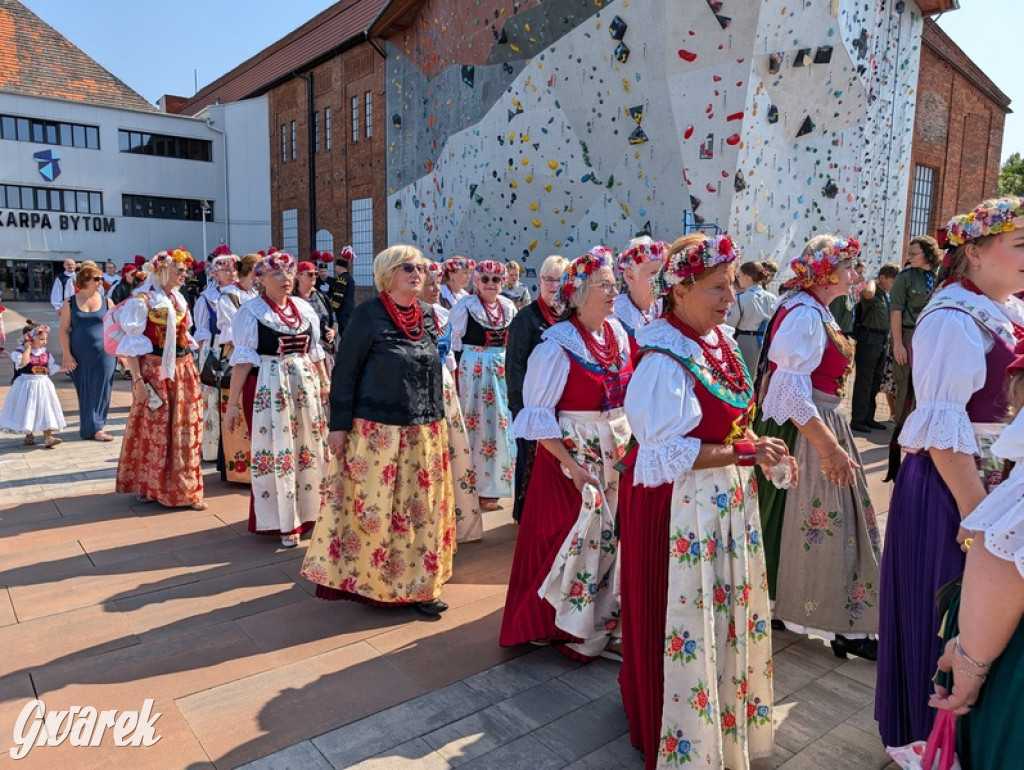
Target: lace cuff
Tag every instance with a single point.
(663, 463)
(316, 353)
(535, 423)
(939, 425)
(134, 345)
(999, 516)
(789, 398)
(202, 334)
(243, 355)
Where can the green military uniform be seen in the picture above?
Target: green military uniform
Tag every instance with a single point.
(842, 310)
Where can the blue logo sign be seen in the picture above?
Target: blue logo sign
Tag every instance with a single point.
(49, 165)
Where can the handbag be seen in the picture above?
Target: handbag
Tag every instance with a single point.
(215, 370)
(937, 753)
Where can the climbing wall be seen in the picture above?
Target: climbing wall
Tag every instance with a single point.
(517, 130)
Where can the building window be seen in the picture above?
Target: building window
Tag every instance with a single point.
(284, 143)
(921, 202)
(290, 230)
(20, 129)
(316, 133)
(164, 146)
(362, 239)
(355, 118)
(327, 128)
(61, 200)
(324, 241)
(295, 153)
(155, 207)
(369, 115)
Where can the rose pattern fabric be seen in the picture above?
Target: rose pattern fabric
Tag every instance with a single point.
(211, 414)
(483, 397)
(469, 525)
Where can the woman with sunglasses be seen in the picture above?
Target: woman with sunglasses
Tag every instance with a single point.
(81, 339)
(562, 587)
(277, 347)
(386, 532)
(305, 288)
(480, 324)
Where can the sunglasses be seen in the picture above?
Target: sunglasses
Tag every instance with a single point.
(485, 279)
(97, 279)
(412, 267)
(309, 272)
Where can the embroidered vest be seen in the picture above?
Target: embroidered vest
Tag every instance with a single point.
(590, 388)
(836, 362)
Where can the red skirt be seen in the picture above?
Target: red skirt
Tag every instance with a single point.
(161, 454)
(551, 509)
(644, 514)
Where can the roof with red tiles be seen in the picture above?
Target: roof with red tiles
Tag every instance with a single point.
(331, 31)
(36, 60)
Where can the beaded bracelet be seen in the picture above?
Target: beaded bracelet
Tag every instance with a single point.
(967, 657)
(971, 674)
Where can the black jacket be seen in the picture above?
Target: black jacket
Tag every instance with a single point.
(523, 336)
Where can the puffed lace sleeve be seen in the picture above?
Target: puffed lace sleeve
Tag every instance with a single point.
(796, 350)
(246, 332)
(459, 318)
(546, 374)
(662, 409)
(944, 381)
(316, 352)
(132, 317)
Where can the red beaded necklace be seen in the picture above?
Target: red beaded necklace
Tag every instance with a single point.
(408, 320)
(608, 355)
(547, 313)
(289, 314)
(496, 319)
(729, 369)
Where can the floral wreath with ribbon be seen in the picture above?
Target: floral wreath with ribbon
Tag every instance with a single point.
(582, 268)
(223, 262)
(1007, 215)
(491, 267)
(176, 256)
(691, 261)
(819, 268)
(639, 254)
(30, 334)
(436, 269)
(457, 263)
(275, 262)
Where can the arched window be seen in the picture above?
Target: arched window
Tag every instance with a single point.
(324, 241)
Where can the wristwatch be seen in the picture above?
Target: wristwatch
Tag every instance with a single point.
(746, 453)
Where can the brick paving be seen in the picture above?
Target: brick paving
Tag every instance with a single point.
(107, 602)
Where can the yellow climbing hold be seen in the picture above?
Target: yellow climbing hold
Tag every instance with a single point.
(547, 188)
(533, 206)
(532, 246)
(536, 222)
(552, 164)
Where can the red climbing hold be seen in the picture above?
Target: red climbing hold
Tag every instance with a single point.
(687, 55)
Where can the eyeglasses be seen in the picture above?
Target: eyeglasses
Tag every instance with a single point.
(609, 288)
(485, 279)
(549, 279)
(412, 267)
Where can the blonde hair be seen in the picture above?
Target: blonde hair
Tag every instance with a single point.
(388, 261)
(247, 264)
(1015, 393)
(554, 263)
(513, 264)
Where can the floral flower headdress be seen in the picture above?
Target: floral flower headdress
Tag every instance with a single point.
(457, 263)
(275, 262)
(582, 268)
(689, 262)
(1005, 216)
(642, 252)
(223, 262)
(819, 268)
(436, 269)
(491, 267)
(172, 256)
(30, 334)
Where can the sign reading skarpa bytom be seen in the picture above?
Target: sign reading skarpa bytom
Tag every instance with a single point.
(44, 221)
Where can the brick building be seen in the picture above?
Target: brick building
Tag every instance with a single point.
(958, 134)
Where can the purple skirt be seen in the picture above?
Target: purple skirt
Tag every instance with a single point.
(920, 556)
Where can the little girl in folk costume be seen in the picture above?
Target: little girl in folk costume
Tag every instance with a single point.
(32, 403)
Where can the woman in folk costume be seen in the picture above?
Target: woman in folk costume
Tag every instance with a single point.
(637, 265)
(696, 675)
(963, 343)
(31, 404)
(455, 277)
(479, 333)
(524, 334)
(161, 454)
(469, 525)
(236, 443)
(386, 532)
(221, 271)
(277, 344)
(821, 539)
(562, 587)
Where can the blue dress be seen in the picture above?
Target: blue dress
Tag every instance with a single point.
(94, 376)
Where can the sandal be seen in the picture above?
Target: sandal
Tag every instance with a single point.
(52, 441)
(488, 504)
(102, 436)
(199, 505)
(288, 542)
(30, 440)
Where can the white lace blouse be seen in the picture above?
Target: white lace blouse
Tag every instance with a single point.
(1001, 515)
(631, 316)
(226, 310)
(201, 314)
(547, 371)
(796, 349)
(662, 405)
(949, 350)
(256, 311)
(470, 305)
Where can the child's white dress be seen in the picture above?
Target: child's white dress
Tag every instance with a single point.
(32, 405)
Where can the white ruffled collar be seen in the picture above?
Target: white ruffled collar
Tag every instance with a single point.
(631, 316)
(476, 309)
(452, 297)
(260, 309)
(800, 298)
(249, 294)
(661, 334)
(566, 335)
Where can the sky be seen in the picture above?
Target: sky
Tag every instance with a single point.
(162, 48)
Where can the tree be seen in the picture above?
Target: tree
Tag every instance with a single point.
(1011, 176)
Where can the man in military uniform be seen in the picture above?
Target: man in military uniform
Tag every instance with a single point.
(872, 335)
(341, 294)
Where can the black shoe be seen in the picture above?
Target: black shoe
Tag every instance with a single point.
(859, 427)
(876, 425)
(435, 607)
(778, 625)
(862, 648)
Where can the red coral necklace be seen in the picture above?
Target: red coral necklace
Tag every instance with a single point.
(608, 355)
(289, 314)
(495, 318)
(408, 320)
(546, 312)
(729, 368)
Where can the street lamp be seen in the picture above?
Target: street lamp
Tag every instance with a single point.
(205, 207)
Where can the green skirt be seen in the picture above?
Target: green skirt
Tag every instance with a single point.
(771, 501)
